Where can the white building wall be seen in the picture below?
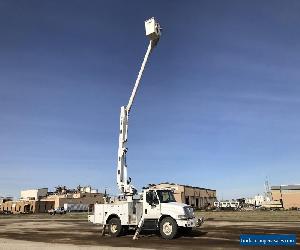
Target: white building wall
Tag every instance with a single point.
(33, 194)
(257, 200)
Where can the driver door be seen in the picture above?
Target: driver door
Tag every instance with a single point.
(151, 208)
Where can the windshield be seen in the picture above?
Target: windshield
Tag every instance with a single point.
(165, 196)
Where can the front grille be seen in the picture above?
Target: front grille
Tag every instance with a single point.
(189, 212)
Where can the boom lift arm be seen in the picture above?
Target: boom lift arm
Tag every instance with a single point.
(153, 31)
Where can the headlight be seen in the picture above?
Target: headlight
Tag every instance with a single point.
(182, 217)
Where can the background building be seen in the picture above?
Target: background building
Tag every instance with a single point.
(40, 200)
(197, 197)
(257, 200)
(289, 195)
(81, 195)
(27, 206)
(34, 194)
(29, 202)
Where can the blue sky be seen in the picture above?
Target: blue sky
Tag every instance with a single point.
(218, 105)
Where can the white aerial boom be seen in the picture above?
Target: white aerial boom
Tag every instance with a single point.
(153, 31)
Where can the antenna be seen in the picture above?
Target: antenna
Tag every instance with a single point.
(267, 189)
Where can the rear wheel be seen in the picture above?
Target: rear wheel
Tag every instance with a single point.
(168, 228)
(114, 227)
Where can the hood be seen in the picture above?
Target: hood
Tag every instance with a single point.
(175, 204)
(173, 207)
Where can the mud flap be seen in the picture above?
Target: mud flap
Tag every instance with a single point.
(200, 221)
(103, 230)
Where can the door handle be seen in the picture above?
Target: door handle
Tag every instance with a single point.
(145, 211)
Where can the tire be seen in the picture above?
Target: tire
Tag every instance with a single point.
(168, 228)
(114, 227)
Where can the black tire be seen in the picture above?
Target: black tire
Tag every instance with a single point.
(168, 228)
(114, 227)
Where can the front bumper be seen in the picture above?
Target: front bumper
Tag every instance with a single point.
(190, 222)
(187, 223)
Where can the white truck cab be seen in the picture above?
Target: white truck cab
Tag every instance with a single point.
(156, 209)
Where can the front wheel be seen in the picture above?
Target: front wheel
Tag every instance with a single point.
(114, 227)
(168, 228)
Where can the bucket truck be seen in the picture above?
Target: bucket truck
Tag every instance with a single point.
(153, 208)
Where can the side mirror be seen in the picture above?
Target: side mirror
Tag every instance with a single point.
(155, 201)
(149, 199)
(152, 199)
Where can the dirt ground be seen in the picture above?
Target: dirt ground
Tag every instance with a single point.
(221, 230)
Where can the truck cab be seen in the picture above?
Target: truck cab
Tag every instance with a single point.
(162, 212)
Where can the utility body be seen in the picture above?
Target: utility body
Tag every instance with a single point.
(154, 209)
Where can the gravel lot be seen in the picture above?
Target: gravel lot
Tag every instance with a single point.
(72, 231)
